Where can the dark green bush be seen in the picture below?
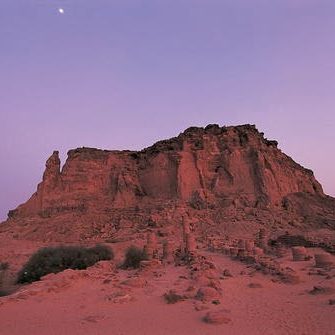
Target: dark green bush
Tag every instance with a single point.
(56, 259)
(133, 257)
(102, 252)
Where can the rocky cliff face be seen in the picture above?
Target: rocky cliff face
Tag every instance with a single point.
(213, 169)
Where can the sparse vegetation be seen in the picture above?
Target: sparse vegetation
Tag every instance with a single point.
(291, 241)
(3, 268)
(196, 201)
(172, 297)
(56, 259)
(133, 257)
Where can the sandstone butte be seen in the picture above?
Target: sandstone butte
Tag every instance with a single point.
(216, 209)
(224, 179)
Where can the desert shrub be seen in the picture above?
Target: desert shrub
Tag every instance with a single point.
(196, 201)
(172, 297)
(4, 293)
(56, 259)
(4, 266)
(102, 252)
(133, 257)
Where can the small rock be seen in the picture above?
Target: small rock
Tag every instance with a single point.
(255, 285)
(149, 264)
(207, 294)
(321, 290)
(216, 318)
(93, 318)
(290, 278)
(216, 302)
(173, 297)
(201, 307)
(323, 260)
(299, 254)
(226, 273)
(135, 282)
(119, 297)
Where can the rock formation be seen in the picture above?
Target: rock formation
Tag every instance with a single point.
(150, 248)
(215, 173)
(167, 252)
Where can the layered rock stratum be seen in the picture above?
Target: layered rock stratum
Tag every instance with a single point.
(224, 179)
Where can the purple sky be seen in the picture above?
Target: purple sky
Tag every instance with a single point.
(122, 74)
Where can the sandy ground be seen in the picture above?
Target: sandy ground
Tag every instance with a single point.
(106, 300)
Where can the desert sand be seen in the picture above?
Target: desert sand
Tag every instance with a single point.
(105, 299)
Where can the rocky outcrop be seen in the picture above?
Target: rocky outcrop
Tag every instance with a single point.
(202, 169)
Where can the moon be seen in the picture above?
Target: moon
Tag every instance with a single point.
(60, 10)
